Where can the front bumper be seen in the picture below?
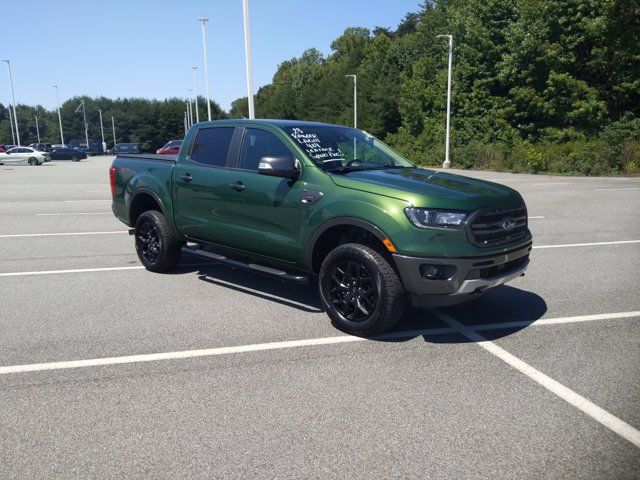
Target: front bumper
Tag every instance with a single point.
(472, 274)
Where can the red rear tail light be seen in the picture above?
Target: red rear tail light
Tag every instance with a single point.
(112, 181)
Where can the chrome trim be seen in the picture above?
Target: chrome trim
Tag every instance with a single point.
(479, 284)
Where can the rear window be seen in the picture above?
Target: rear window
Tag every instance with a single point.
(211, 146)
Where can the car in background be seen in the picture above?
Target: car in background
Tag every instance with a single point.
(24, 156)
(121, 148)
(67, 154)
(2, 150)
(43, 147)
(94, 148)
(8, 146)
(59, 145)
(171, 148)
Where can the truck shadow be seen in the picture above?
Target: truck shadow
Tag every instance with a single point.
(505, 309)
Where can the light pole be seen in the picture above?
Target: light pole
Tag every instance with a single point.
(13, 97)
(185, 124)
(59, 116)
(13, 135)
(355, 100)
(447, 162)
(188, 103)
(113, 127)
(195, 90)
(37, 128)
(206, 69)
(190, 108)
(247, 51)
(104, 145)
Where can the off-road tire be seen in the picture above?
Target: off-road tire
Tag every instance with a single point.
(157, 247)
(391, 296)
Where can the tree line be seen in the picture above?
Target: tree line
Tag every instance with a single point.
(538, 86)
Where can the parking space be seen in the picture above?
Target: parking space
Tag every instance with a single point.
(213, 372)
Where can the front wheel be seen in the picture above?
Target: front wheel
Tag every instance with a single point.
(360, 290)
(157, 247)
(74, 159)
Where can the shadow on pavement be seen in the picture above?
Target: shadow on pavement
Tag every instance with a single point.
(500, 306)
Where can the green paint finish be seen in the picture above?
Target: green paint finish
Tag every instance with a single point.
(268, 219)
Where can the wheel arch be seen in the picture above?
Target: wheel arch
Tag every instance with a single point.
(142, 200)
(324, 238)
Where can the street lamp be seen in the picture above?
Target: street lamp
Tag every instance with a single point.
(447, 162)
(195, 90)
(15, 115)
(113, 127)
(59, 117)
(355, 100)
(247, 51)
(13, 135)
(206, 69)
(104, 145)
(37, 128)
(190, 108)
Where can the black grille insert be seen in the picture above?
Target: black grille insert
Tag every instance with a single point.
(493, 226)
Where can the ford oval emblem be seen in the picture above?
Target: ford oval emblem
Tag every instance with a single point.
(508, 224)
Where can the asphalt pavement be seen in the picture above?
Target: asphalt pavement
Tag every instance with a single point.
(110, 371)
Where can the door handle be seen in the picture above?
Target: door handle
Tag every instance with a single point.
(186, 177)
(238, 186)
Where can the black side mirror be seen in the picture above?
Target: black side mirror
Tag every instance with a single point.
(278, 167)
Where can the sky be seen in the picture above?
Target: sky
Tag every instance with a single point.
(146, 48)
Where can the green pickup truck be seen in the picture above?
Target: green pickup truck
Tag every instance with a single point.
(299, 200)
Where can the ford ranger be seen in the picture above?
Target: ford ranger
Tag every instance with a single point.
(299, 200)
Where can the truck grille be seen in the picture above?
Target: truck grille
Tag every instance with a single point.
(493, 226)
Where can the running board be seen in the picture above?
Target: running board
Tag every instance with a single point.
(251, 267)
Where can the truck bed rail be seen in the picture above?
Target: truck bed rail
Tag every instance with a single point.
(148, 156)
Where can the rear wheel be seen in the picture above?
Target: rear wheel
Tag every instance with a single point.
(157, 247)
(74, 159)
(33, 161)
(360, 291)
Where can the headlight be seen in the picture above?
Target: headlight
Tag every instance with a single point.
(442, 219)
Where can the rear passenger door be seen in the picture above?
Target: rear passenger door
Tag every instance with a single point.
(262, 211)
(200, 184)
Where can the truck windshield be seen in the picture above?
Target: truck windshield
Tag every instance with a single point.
(339, 149)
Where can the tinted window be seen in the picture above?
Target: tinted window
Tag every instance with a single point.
(211, 146)
(257, 144)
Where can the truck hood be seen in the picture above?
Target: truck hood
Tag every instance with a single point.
(428, 188)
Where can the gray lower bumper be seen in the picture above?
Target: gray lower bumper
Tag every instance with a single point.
(472, 275)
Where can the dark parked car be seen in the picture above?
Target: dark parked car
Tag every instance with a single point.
(67, 154)
(95, 148)
(125, 148)
(43, 147)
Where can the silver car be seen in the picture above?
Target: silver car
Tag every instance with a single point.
(24, 156)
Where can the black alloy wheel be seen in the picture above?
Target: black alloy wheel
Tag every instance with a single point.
(353, 292)
(148, 241)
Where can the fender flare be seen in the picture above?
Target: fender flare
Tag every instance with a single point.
(339, 221)
(144, 190)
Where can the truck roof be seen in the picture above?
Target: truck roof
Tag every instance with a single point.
(268, 121)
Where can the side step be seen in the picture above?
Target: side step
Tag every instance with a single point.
(251, 267)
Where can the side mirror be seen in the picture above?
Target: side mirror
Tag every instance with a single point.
(278, 167)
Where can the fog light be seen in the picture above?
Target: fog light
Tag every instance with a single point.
(429, 271)
(437, 272)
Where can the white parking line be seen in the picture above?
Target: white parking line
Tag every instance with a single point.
(62, 234)
(71, 213)
(256, 347)
(551, 183)
(74, 270)
(84, 201)
(620, 242)
(612, 422)
(615, 189)
(535, 218)
(554, 321)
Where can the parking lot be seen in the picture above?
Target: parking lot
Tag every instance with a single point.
(109, 371)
